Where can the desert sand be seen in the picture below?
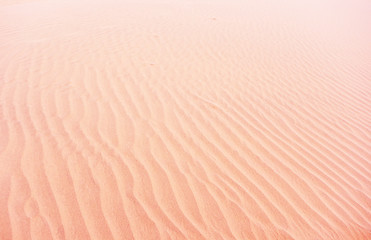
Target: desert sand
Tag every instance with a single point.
(185, 119)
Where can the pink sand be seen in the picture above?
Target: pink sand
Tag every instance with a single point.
(185, 120)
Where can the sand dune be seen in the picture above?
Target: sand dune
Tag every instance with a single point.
(185, 120)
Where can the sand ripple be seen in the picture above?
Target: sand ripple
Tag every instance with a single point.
(207, 120)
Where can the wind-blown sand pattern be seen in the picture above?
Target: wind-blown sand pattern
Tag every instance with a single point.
(185, 120)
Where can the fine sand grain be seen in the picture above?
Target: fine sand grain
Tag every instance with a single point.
(185, 119)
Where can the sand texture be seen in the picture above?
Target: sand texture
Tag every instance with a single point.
(185, 119)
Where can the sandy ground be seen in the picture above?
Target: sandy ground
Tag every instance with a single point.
(185, 120)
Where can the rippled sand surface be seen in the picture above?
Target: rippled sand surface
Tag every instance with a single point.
(185, 120)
